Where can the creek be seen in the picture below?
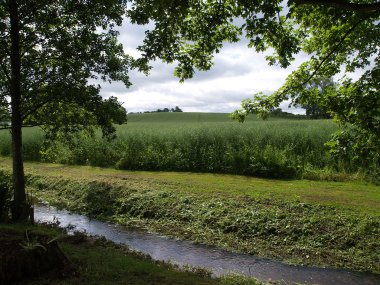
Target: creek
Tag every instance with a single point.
(217, 260)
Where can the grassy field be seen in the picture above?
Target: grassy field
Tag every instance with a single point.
(199, 142)
(299, 221)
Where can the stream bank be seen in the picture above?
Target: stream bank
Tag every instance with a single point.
(324, 224)
(220, 262)
(291, 231)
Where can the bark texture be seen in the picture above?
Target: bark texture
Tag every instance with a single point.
(20, 210)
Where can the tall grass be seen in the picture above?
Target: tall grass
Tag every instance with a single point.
(195, 142)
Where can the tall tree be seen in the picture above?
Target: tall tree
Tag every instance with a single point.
(50, 49)
(341, 36)
(310, 98)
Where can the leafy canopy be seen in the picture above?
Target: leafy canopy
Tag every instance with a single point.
(63, 46)
(50, 52)
(340, 36)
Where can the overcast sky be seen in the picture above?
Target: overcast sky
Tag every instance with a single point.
(238, 73)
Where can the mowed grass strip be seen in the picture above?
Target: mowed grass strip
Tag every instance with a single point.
(353, 196)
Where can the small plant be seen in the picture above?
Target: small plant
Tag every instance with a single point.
(31, 244)
(204, 272)
(235, 279)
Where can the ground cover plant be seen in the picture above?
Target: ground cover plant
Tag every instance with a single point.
(277, 148)
(302, 222)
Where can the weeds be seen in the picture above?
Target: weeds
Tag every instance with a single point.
(5, 195)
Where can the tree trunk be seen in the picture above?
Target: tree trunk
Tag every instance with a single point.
(19, 207)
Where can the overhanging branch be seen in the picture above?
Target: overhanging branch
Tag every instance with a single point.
(332, 51)
(35, 108)
(344, 5)
(325, 58)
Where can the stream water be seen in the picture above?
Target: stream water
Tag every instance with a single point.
(217, 260)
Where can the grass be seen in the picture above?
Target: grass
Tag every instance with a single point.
(303, 222)
(100, 262)
(354, 196)
(199, 142)
(110, 265)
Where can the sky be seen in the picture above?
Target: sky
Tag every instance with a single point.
(237, 74)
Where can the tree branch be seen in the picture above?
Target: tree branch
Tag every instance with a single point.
(6, 73)
(341, 4)
(334, 49)
(331, 52)
(35, 109)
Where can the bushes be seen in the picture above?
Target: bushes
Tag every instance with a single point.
(279, 152)
(5, 195)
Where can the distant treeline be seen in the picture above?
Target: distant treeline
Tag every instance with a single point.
(165, 110)
(276, 113)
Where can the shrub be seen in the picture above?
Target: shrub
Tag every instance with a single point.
(5, 195)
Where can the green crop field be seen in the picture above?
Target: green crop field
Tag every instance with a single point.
(198, 142)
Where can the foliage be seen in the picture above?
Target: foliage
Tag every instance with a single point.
(63, 45)
(278, 113)
(51, 50)
(359, 140)
(313, 93)
(31, 244)
(165, 110)
(176, 109)
(340, 37)
(235, 279)
(5, 195)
